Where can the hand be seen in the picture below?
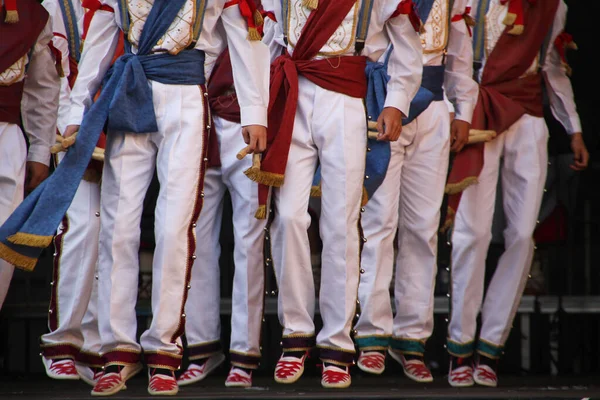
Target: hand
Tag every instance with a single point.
(70, 131)
(580, 153)
(35, 174)
(451, 116)
(255, 137)
(459, 134)
(389, 124)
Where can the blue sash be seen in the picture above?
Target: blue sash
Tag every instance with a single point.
(73, 34)
(424, 8)
(126, 102)
(379, 152)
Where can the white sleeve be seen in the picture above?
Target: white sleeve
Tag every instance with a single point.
(39, 105)
(96, 58)
(560, 91)
(251, 67)
(459, 85)
(273, 37)
(405, 66)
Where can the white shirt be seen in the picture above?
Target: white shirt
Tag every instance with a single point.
(222, 27)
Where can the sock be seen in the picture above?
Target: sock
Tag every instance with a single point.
(113, 369)
(297, 354)
(458, 362)
(161, 371)
(409, 357)
(490, 362)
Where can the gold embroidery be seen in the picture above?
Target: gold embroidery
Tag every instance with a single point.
(15, 73)
(435, 36)
(339, 43)
(178, 36)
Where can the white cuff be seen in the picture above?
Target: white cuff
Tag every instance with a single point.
(253, 115)
(75, 115)
(575, 125)
(464, 111)
(399, 100)
(39, 154)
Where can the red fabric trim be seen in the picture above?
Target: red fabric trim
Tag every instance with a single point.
(92, 6)
(120, 357)
(60, 35)
(62, 350)
(231, 3)
(407, 7)
(464, 16)
(58, 243)
(156, 360)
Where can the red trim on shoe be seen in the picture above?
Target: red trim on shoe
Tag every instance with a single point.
(108, 382)
(372, 360)
(287, 369)
(63, 367)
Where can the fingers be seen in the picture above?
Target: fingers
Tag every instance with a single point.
(262, 143)
(380, 124)
(246, 135)
(392, 129)
(253, 145)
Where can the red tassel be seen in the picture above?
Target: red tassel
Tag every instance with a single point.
(407, 7)
(12, 16)
(563, 42)
(469, 21)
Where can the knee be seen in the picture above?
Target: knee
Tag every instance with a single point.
(519, 236)
(291, 219)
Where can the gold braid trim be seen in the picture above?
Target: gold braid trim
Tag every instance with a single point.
(264, 178)
(310, 4)
(91, 175)
(454, 188)
(315, 191)
(258, 18)
(516, 30)
(12, 17)
(509, 19)
(253, 34)
(450, 214)
(261, 213)
(31, 240)
(365, 197)
(18, 260)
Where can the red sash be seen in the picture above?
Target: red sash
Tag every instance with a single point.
(503, 95)
(15, 41)
(348, 77)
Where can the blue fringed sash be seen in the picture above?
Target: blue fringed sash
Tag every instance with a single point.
(126, 102)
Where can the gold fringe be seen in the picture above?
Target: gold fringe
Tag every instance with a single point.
(509, 19)
(31, 240)
(253, 34)
(12, 17)
(572, 46)
(18, 260)
(310, 4)
(60, 70)
(261, 213)
(470, 20)
(422, 29)
(315, 191)
(264, 178)
(454, 188)
(365, 198)
(258, 18)
(516, 30)
(449, 220)
(91, 175)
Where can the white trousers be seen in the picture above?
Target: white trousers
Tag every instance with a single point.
(73, 281)
(13, 155)
(203, 306)
(409, 201)
(523, 148)
(329, 128)
(177, 151)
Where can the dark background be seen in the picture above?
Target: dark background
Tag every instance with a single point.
(563, 341)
